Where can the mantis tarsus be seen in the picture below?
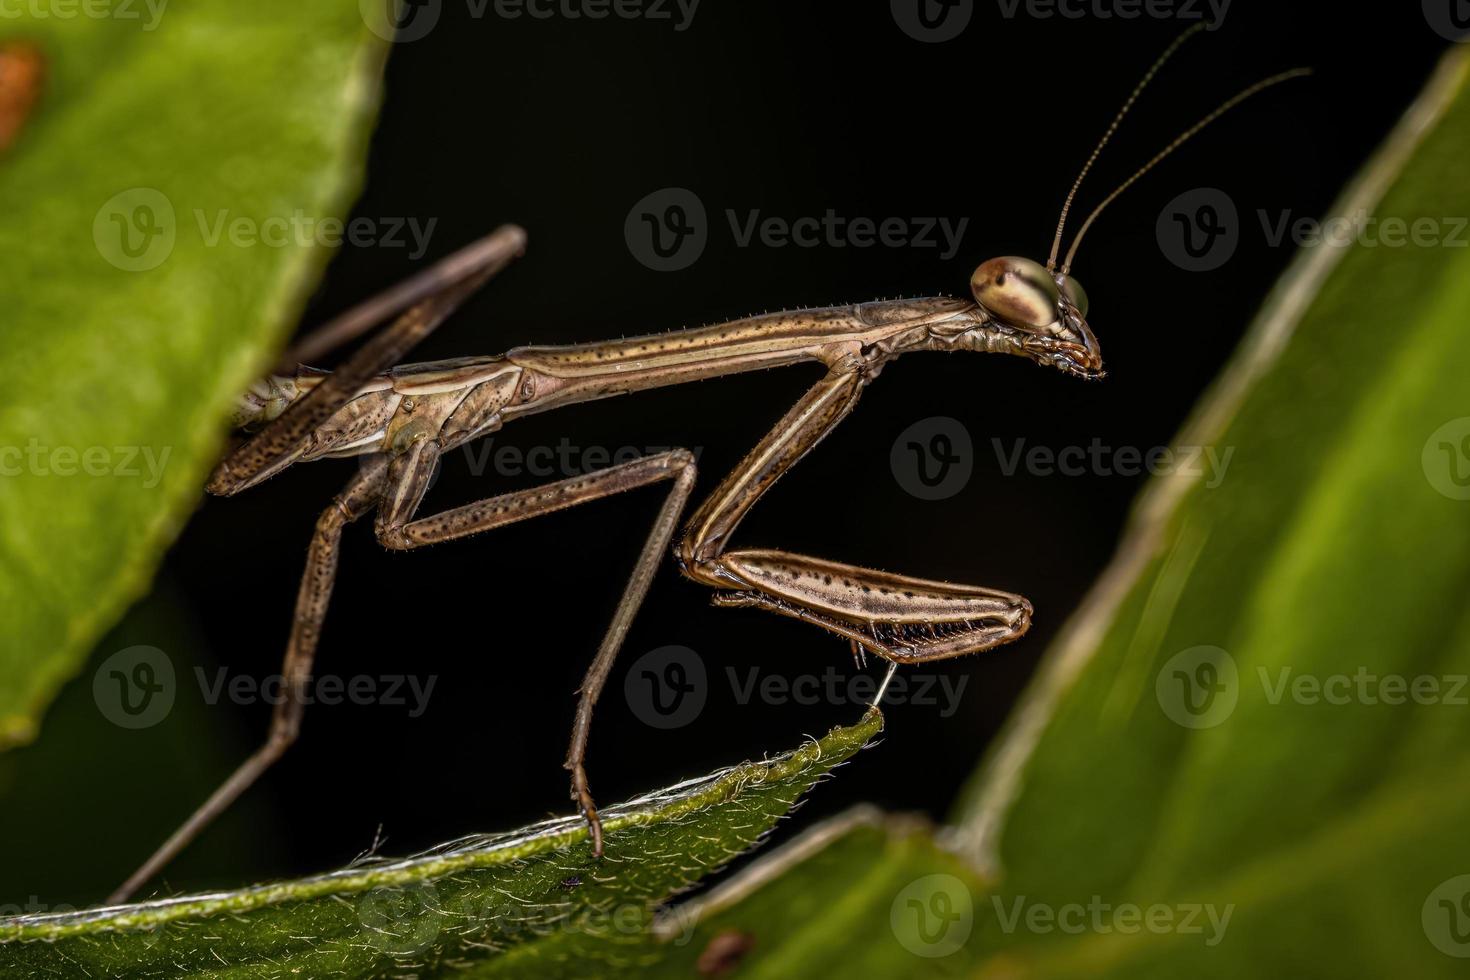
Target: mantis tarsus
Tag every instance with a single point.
(402, 419)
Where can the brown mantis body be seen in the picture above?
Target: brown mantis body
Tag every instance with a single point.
(401, 420)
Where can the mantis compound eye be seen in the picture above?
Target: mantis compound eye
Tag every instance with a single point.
(1018, 291)
(1073, 292)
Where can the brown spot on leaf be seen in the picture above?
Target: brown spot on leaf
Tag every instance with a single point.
(724, 953)
(22, 70)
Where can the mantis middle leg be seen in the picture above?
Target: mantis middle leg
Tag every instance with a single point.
(408, 479)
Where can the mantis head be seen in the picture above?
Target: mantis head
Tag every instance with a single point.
(1038, 310)
(1044, 311)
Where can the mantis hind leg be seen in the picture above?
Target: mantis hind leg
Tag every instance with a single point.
(434, 295)
(356, 500)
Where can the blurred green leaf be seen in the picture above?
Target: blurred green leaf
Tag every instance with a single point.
(84, 767)
(531, 903)
(1261, 712)
(862, 895)
(130, 325)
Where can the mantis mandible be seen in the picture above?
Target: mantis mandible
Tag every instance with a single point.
(401, 419)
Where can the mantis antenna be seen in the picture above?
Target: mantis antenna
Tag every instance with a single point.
(1177, 142)
(1148, 76)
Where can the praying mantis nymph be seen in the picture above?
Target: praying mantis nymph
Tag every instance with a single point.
(401, 420)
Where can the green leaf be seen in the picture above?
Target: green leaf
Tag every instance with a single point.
(80, 768)
(862, 895)
(531, 903)
(1218, 726)
(123, 357)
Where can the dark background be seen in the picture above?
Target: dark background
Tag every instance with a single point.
(791, 108)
